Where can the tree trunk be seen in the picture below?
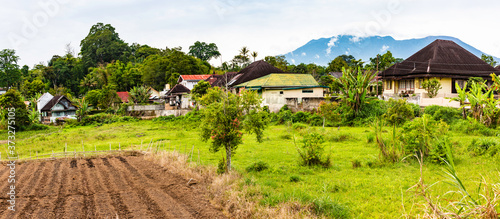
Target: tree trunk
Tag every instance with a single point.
(228, 158)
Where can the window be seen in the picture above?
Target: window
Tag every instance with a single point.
(388, 85)
(307, 91)
(460, 83)
(407, 84)
(281, 92)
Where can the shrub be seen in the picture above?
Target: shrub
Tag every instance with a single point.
(312, 150)
(221, 167)
(447, 114)
(257, 167)
(424, 135)
(299, 126)
(370, 137)
(432, 87)
(284, 116)
(356, 164)
(480, 147)
(301, 117)
(399, 112)
(338, 137)
(315, 120)
(417, 111)
(294, 178)
(431, 109)
(326, 206)
(329, 111)
(472, 126)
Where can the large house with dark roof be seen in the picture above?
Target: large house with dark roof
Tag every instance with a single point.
(58, 107)
(253, 71)
(442, 59)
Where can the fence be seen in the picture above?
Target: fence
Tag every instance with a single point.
(151, 147)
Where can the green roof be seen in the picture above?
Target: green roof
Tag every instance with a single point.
(282, 80)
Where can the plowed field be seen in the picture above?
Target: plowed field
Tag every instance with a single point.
(107, 187)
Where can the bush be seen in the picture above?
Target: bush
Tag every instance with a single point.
(326, 206)
(315, 120)
(431, 109)
(425, 135)
(284, 116)
(312, 150)
(370, 137)
(299, 126)
(480, 147)
(301, 117)
(294, 178)
(257, 167)
(356, 164)
(447, 114)
(417, 111)
(399, 112)
(221, 167)
(473, 127)
(329, 111)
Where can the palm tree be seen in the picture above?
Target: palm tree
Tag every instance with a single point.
(244, 51)
(83, 108)
(254, 55)
(139, 95)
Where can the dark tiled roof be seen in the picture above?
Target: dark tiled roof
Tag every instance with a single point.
(220, 80)
(54, 101)
(498, 67)
(253, 71)
(441, 58)
(178, 89)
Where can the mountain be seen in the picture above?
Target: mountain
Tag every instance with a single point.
(322, 51)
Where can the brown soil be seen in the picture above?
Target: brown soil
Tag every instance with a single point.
(107, 187)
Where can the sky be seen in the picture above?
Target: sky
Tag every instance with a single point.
(39, 29)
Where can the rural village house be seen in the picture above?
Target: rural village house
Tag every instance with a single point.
(124, 96)
(442, 59)
(55, 107)
(178, 97)
(277, 90)
(190, 80)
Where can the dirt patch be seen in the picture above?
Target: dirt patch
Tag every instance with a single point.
(111, 187)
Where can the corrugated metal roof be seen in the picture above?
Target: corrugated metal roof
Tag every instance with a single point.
(123, 96)
(282, 80)
(194, 77)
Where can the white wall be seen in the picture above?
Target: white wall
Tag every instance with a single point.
(44, 99)
(274, 100)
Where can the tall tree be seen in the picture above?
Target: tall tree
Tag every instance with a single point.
(489, 59)
(102, 45)
(278, 62)
(204, 51)
(337, 64)
(10, 74)
(382, 62)
(254, 54)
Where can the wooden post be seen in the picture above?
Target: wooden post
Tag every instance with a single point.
(65, 149)
(37, 155)
(192, 150)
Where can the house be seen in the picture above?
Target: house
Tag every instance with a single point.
(278, 89)
(43, 100)
(221, 80)
(253, 71)
(59, 107)
(442, 59)
(190, 80)
(178, 97)
(124, 96)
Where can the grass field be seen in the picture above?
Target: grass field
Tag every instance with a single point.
(372, 190)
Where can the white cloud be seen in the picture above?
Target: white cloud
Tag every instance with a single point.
(384, 48)
(316, 56)
(355, 39)
(303, 54)
(331, 44)
(293, 61)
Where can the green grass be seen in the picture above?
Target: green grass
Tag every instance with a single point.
(371, 190)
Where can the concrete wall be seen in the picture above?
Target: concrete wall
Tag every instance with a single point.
(146, 107)
(307, 103)
(274, 100)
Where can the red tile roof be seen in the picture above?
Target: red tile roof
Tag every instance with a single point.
(123, 95)
(195, 77)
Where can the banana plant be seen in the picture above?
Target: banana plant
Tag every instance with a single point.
(462, 98)
(353, 86)
(478, 97)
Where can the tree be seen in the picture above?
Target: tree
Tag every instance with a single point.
(66, 71)
(226, 115)
(11, 101)
(382, 62)
(102, 45)
(278, 62)
(489, 59)
(353, 87)
(336, 65)
(10, 74)
(300, 68)
(83, 108)
(432, 87)
(200, 89)
(29, 89)
(204, 51)
(254, 55)
(139, 95)
(399, 112)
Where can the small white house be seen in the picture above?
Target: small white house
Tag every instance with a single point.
(190, 80)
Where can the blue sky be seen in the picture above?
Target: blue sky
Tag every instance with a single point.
(38, 29)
